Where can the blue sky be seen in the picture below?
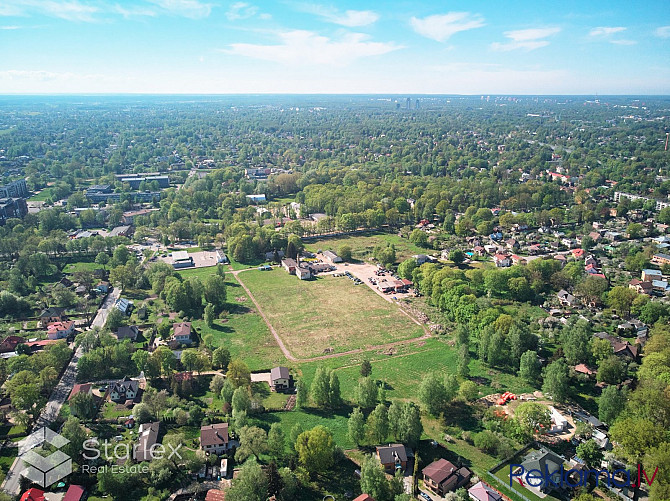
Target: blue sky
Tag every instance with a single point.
(294, 46)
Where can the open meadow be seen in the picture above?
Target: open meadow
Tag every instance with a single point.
(329, 314)
(363, 244)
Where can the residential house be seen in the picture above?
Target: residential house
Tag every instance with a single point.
(561, 259)
(147, 439)
(289, 265)
(85, 388)
(566, 298)
(584, 369)
(270, 256)
(221, 257)
(125, 306)
(51, 315)
(478, 250)
(303, 272)
(332, 257)
(660, 287)
(60, 330)
(182, 259)
(74, 493)
(534, 249)
(577, 253)
(103, 287)
(214, 438)
(502, 261)
(651, 275)
(393, 457)
(660, 259)
(517, 259)
(633, 327)
(544, 460)
(216, 494)
(620, 347)
(569, 242)
(641, 287)
(364, 497)
(559, 423)
(127, 332)
(280, 379)
(121, 231)
(483, 492)
(512, 244)
(442, 476)
(123, 390)
(590, 261)
(182, 333)
(595, 236)
(10, 343)
(33, 494)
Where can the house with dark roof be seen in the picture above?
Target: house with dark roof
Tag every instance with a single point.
(442, 476)
(147, 439)
(393, 457)
(50, 315)
(289, 265)
(332, 257)
(214, 438)
(483, 492)
(565, 298)
(123, 390)
(127, 332)
(280, 379)
(620, 347)
(543, 460)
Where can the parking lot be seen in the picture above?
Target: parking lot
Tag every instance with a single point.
(368, 275)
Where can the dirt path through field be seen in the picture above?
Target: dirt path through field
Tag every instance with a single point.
(287, 353)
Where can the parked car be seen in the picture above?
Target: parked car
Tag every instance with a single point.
(425, 496)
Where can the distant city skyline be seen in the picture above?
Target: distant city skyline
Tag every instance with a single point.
(363, 47)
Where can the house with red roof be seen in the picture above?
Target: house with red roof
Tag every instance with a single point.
(33, 495)
(74, 493)
(60, 330)
(86, 388)
(364, 497)
(10, 343)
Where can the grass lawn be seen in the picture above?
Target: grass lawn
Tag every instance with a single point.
(109, 411)
(335, 421)
(329, 312)
(41, 196)
(363, 244)
(81, 266)
(243, 331)
(7, 457)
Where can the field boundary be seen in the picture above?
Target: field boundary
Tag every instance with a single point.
(287, 353)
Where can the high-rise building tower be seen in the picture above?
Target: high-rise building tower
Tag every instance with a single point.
(408, 104)
(417, 104)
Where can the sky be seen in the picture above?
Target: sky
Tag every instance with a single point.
(336, 47)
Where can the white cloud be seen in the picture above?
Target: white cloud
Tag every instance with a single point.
(441, 27)
(10, 27)
(623, 42)
(603, 31)
(349, 18)
(70, 10)
(192, 9)
(662, 32)
(241, 10)
(529, 39)
(299, 47)
(133, 11)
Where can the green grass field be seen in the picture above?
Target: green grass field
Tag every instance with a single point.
(81, 266)
(362, 245)
(243, 332)
(326, 313)
(41, 196)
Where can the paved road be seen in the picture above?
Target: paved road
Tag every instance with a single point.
(58, 395)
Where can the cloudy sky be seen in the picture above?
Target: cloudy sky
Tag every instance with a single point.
(291, 46)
